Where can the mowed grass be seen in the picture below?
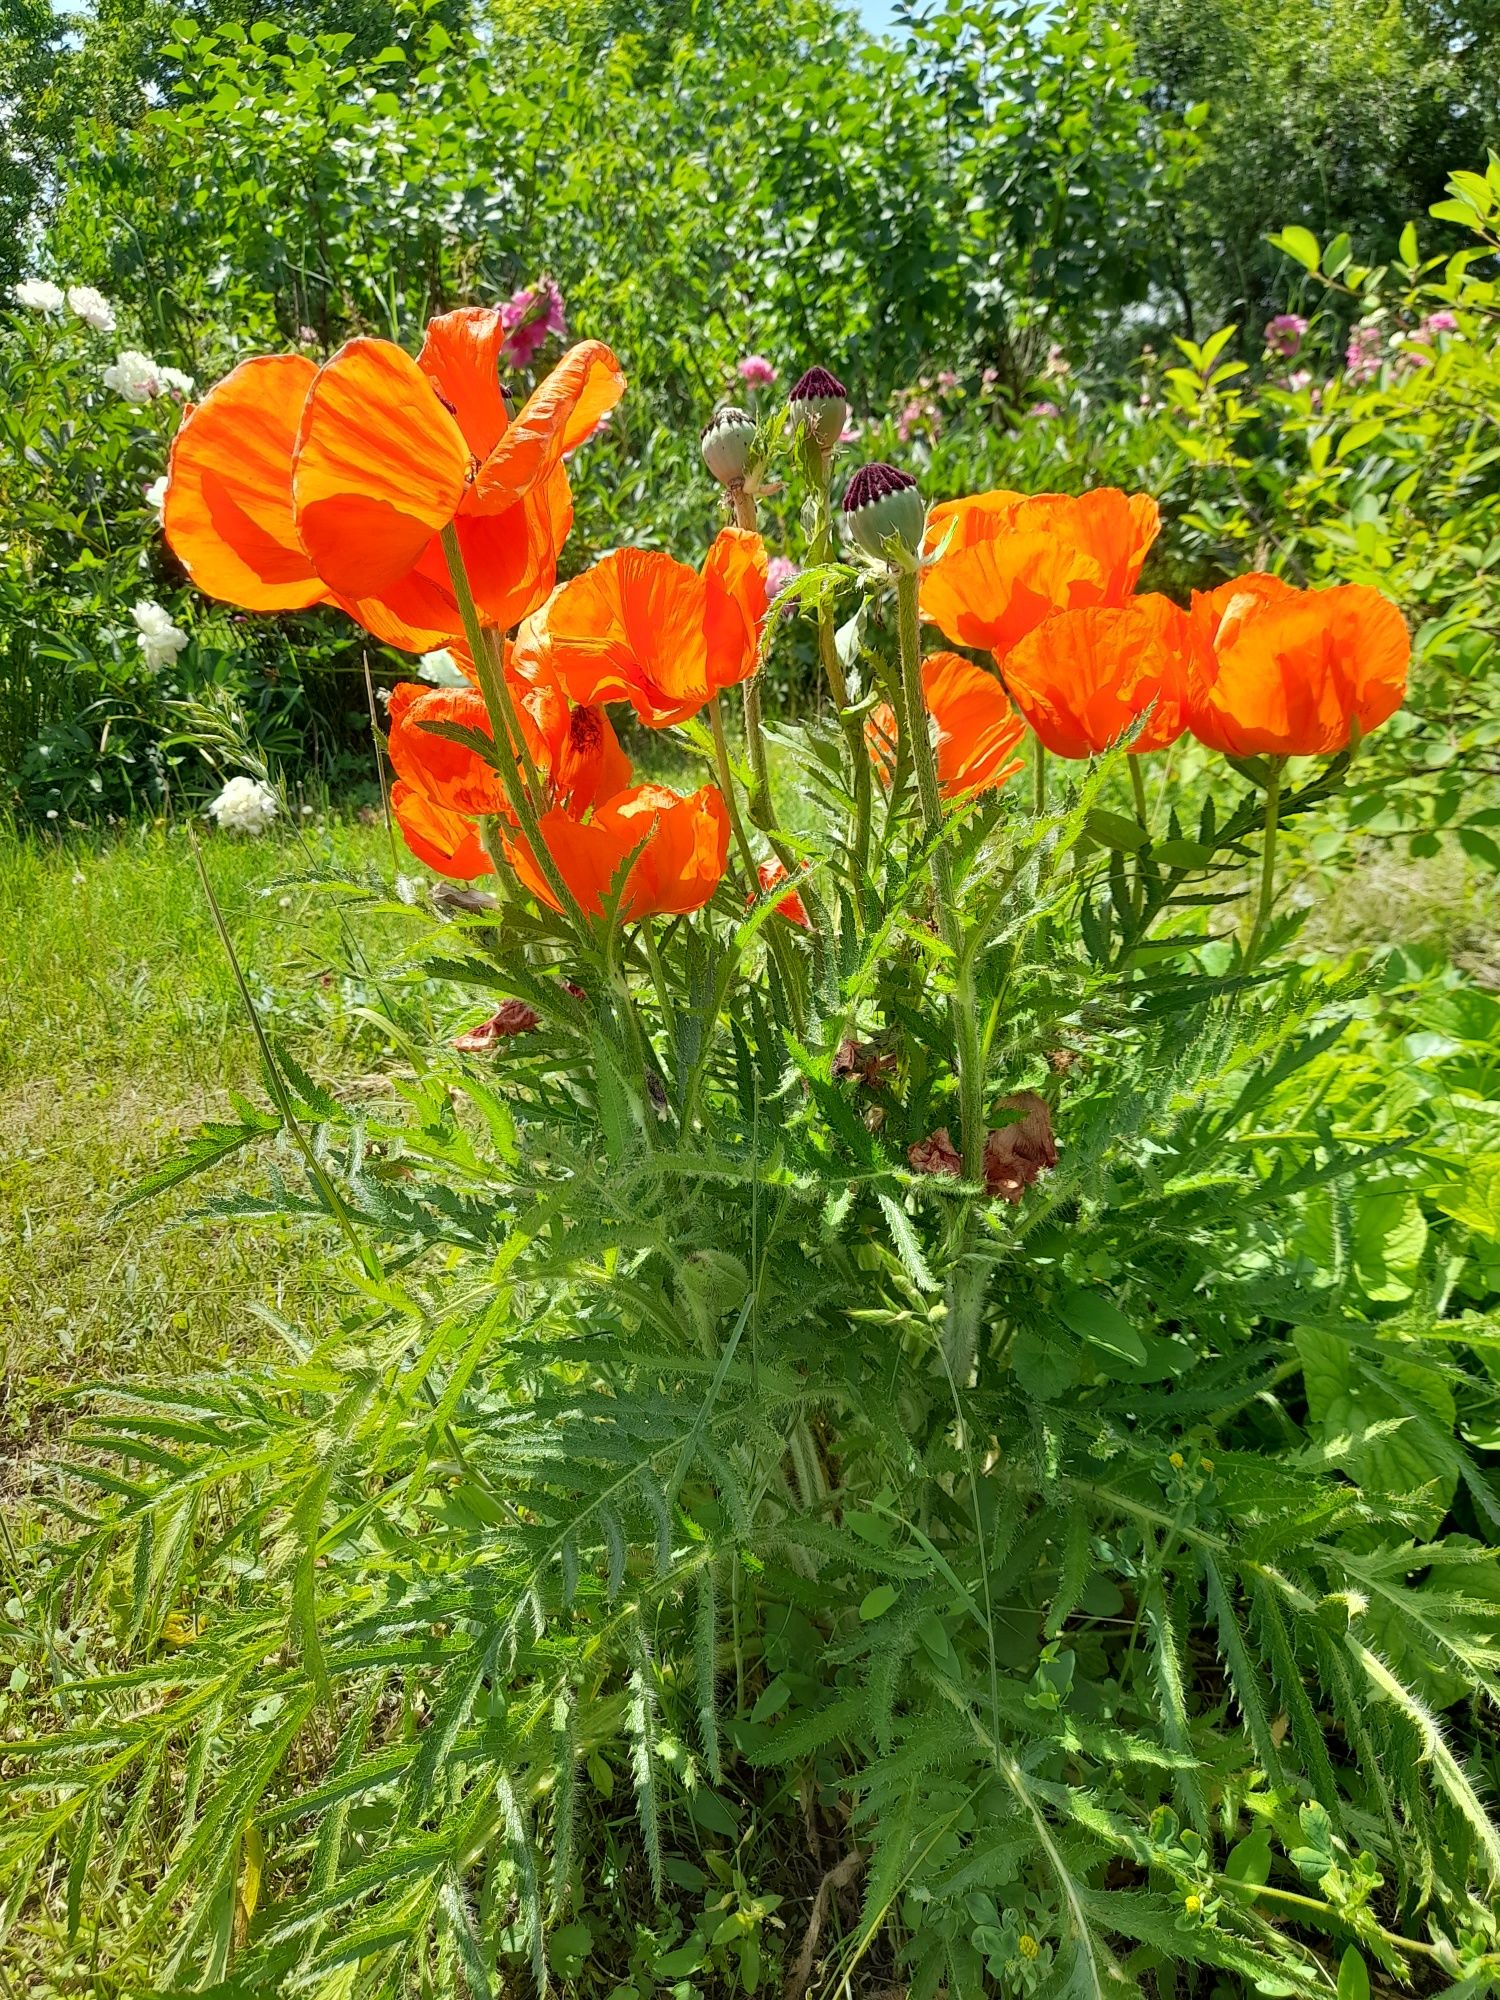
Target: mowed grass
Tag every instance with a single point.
(121, 1030)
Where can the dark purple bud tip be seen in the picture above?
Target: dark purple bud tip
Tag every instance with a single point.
(874, 482)
(883, 511)
(817, 383)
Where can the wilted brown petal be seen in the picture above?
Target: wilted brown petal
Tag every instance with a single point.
(513, 1018)
(864, 1060)
(1015, 1154)
(935, 1155)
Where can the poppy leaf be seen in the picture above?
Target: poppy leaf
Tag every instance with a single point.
(1100, 1322)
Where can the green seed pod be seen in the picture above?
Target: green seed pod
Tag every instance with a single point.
(820, 404)
(726, 444)
(882, 502)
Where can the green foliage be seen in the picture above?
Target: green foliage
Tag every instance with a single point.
(1347, 116)
(1377, 469)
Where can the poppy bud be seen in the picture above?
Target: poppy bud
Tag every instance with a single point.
(820, 404)
(882, 503)
(726, 443)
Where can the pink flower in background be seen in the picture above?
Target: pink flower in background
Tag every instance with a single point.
(850, 433)
(1439, 322)
(755, 370)
(780, 571)
(1362, 355)
(529, 317)
(990, 377)
(920, 413)
(947, 380)
(1044, 412)
(1057, 367)
(1284, 334)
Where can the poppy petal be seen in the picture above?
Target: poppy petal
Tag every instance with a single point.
(461, 357)
(380, 467)
(444, 840)
(563, 409)
(734, 582)
(228, 511)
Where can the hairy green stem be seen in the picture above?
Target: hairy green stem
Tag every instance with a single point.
(861, 778)
(518, 777)
(1267, 861)
(1138, 791)
(966, 1291)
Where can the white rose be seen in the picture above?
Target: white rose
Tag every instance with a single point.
(156, 496)
(245, 805)
(181, 385)
(441, 669)
(92, 307)
(134, 375)
(160, 640)
(38, 295)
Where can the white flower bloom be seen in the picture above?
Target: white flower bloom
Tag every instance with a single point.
(156, 496)
(134, 375)
(441, 669)
(160, 640)
(92, 307)
(181, 385)
(246, 805)
(38, 295)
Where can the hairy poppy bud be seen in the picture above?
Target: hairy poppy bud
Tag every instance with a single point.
(820, 404)
(726, 442)
(880, 503)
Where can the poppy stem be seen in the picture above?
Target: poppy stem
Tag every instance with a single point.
(1267, 861)
(762, 810)
(1138, 790)
(940, 862)
(506, 725)
(821, 551)
(726, 786)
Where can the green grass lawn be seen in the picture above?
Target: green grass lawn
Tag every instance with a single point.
(122, 1030)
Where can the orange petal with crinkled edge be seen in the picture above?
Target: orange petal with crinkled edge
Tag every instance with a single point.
(1294, 673)
(510, 558)
(976, 517)
(680, 847)
(1010, 559)
(450, 774)
(631, 629)
(444, 840)
(644, 628)
(1113, 528)
(380, 468)
(461, 357)
(228, 512)
(563, 409)
(991, 593)
(977, 729)
(1082, 677)
(734, 584)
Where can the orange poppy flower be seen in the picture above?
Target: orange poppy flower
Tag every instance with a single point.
(1292, 673)
(438, 836)
(1012, 559)
(791, 907)
(644, 628)
(576, 753)
(291, 485)
(977, 729)
(680, 847)
(1082, 677)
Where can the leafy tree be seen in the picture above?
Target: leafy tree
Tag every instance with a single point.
(1342, 116)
